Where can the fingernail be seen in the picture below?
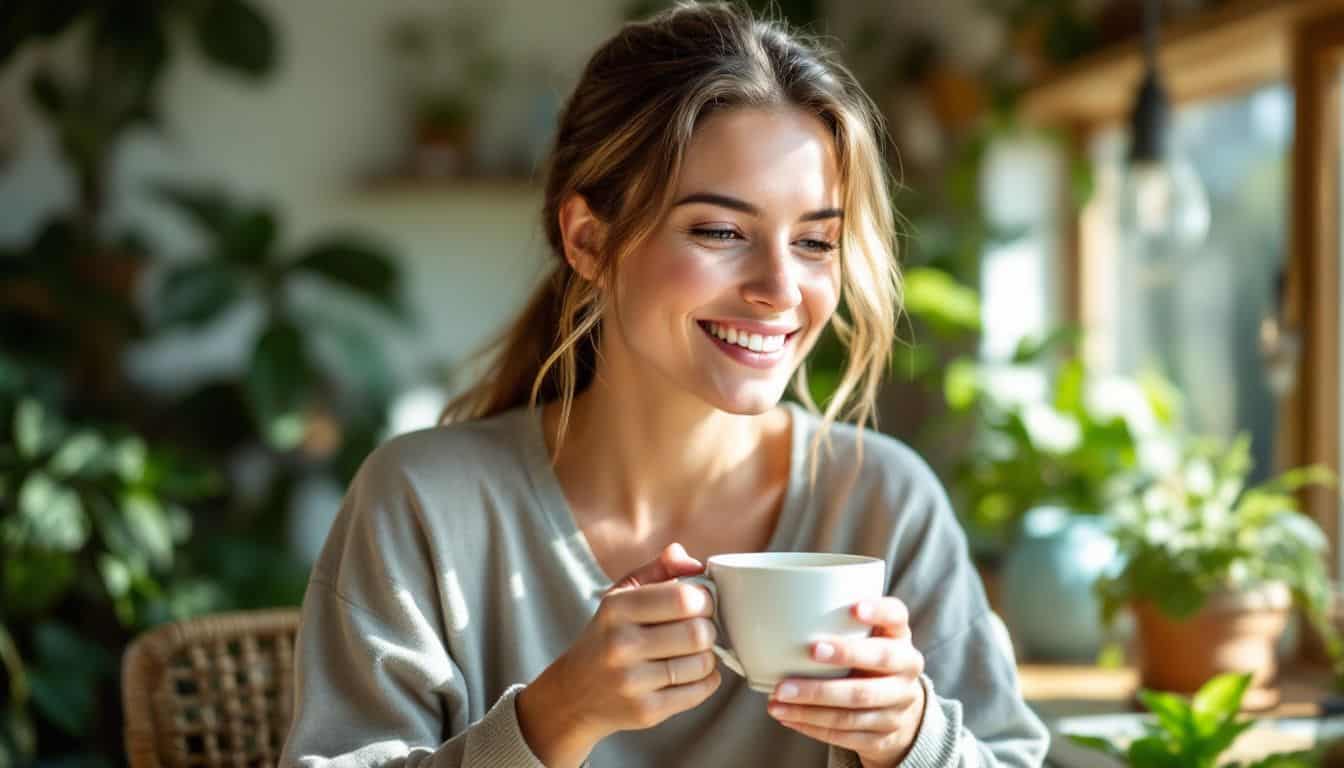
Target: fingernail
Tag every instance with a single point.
(776, 711)
(823, 651)
(864, 611)
(787, 692)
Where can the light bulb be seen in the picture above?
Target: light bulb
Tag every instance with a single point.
(1163, 203)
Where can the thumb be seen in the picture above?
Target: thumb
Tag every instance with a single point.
(671, 563)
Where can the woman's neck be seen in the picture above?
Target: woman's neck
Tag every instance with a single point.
(654, 463)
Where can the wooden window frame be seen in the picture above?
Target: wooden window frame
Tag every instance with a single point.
(1241, 46)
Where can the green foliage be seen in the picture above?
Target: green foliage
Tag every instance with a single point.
(1192, 733)
(245, 263)
(1071, 446)
(1193, 529)
(102, 532)
(88, 517)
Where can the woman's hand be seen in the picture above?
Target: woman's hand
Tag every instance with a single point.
(643, 657)
(876, 711)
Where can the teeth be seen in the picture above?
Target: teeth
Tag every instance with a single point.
(753, 341)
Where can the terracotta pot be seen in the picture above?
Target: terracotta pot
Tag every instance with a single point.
(1234, 632)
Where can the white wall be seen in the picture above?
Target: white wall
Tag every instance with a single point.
(301, 140)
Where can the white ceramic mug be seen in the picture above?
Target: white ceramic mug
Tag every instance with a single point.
(771, 606)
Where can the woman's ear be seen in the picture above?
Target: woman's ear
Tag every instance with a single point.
(582, 233)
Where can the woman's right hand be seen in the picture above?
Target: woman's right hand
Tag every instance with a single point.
(643, 657)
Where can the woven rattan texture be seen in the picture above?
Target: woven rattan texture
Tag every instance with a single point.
(213, 691)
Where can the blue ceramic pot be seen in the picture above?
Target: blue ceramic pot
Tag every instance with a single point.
(1047, 580)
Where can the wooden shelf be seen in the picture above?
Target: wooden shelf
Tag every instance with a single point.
(1061, 690)
(1233, 48)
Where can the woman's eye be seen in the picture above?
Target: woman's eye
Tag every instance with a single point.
(818, 246)
(714, 234)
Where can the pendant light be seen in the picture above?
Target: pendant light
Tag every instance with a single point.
(1164, 210)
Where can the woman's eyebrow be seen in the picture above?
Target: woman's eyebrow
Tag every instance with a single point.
(747, 208)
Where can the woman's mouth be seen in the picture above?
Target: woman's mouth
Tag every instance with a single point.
(755, 350)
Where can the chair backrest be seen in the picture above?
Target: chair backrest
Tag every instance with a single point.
(212, 691)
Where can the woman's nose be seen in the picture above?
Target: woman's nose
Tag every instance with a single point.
(773, 282)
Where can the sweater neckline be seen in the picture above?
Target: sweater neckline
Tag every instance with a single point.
(555, 507)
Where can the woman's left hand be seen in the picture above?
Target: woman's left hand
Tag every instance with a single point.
(877, 709)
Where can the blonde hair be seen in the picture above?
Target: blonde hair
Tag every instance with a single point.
(620, 143)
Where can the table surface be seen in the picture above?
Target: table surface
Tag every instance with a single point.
(1062, 690)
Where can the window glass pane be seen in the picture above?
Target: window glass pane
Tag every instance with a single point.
(1199, 318)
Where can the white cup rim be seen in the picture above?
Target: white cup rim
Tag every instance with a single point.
(779, 561)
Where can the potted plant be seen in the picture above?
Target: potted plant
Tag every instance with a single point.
(1212, 569)
(1043, 467)
(1196, 733)
(447, 67)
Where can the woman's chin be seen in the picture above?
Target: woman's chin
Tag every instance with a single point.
(750, 401)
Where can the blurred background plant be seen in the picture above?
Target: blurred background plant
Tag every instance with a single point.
(1192, 530)
(448, 66)
(1074, 445)
(1198, 731)
(104, 530)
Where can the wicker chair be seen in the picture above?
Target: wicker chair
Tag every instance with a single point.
(212, 691)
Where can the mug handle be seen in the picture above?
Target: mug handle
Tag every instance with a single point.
(724, 652)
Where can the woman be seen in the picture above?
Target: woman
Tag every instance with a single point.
(502, 591)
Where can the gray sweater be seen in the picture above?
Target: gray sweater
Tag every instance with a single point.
(455, 573)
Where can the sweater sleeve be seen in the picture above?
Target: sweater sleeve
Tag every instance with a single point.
(375, 681)
(974, 713)
(372, 690)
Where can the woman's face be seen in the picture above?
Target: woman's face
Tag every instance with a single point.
(730, 293)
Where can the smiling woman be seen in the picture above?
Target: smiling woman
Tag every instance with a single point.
(717, 186)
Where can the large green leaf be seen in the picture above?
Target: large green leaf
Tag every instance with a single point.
(83, 453)
(1217, 701)
(1152, 752)
(52, 515)
(66, 676)
(358, 266)
(1172, 713)
(937, 296)
(210, 209)
(32, 581)
(249, 239)
(279, 384)
(149, 525)
(235, 35)
(31, 428)
(195, 294)
(361, 358)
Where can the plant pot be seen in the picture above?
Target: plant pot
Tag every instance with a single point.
(1233, 632)
(1047, 580)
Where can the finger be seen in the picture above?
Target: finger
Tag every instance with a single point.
(676, 638)
(670, 563)
(873, 654)
(849, 692)
(886, 612)
(880, 720)
(656, 674)
(677, 698)
(658, 603)
(864, 742)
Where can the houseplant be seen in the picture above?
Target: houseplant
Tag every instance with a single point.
(447, 68)
(108, 524)
(1194, 733)
(1212, 568)
(1050, 454)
